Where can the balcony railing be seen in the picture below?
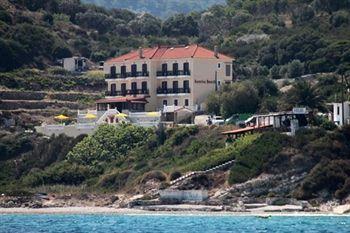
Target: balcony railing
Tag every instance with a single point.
(127, 75)
(173, 73)
(127, 92)
(173, 90)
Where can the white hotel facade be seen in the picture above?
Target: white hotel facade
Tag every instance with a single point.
(147, 79)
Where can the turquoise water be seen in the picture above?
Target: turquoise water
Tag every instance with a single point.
(169, 224)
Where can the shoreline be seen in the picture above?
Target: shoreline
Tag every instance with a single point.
(125, 211)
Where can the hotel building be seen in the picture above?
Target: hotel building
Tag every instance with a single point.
(150, 78)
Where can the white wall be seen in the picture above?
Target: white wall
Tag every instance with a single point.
(337, 113)
(184, 195)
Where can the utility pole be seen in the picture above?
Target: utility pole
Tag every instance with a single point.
(216, 80)
(342, 99)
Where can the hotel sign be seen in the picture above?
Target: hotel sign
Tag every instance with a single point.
(205, 81)
(299, 110)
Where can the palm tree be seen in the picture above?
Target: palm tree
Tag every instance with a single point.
(304, 94)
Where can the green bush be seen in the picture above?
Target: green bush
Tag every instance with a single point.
(328, 175)
(174, 175)
(181, 134)
(60, 173)
(219, 156)
(251, 160)
(109, 143)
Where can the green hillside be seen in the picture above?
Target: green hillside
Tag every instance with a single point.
(160, 8)
(272, 38)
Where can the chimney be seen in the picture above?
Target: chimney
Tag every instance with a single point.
(216, 53)
(140, 52)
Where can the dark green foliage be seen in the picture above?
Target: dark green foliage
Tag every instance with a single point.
(303, 94)
(244, 97)
(174, 175)
(108, 143)
(160, 8)
(60, 173)
(180, 25)
(327, 175)
(181, 134)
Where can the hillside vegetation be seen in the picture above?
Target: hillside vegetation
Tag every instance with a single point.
(160, 8)
(94, 162)
(269, 38)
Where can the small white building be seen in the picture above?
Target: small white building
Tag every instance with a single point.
(337, 113)
(75, 64)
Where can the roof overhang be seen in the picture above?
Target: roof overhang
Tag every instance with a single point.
(122, 100)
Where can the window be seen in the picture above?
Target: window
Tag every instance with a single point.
(113, 72)
(186, 85)
(175, 86)
(123, 71)
(228, 70)
(144, 70)
(133, 70)
(186, 102)
(175, 68)
(123, 88)
(144, 87)
(134, 86)
(186, 68)
(113, 89)
(164, 85)
(219, 65)
(175, 102)
(165, 102)
(338, 110)
(165, 69)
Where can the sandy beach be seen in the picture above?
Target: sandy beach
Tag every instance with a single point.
(125, 211)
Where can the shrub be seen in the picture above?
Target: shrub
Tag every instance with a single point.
(181, 134)
(219, 156)
(109, 143)
(327, 175)
(251, 161)
(174, 175)
(60, 173)
(153, 175)
(114, 180)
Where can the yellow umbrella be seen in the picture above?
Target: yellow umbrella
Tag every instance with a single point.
(152, 114)
(121, 115)
(61, 117)
(90, 116)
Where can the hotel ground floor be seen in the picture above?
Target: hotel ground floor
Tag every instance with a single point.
(141, 103)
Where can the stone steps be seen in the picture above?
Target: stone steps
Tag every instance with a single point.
(195, 173)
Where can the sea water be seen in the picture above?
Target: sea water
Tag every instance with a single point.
(170, 223)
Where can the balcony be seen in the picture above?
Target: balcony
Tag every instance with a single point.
(127, 92)
(173, 90)
(127, 75)
(173, 73)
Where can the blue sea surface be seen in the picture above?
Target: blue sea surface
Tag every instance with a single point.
(18, 223)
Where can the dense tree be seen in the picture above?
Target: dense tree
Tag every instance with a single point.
(295, 69)
(145, 25)
(179, 25)
(303, 94)
(160, 8)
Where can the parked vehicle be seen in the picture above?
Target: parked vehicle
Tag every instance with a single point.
(217, 120)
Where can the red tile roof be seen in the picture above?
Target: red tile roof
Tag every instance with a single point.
(122, 100)
(167, 52)
(246, 129)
